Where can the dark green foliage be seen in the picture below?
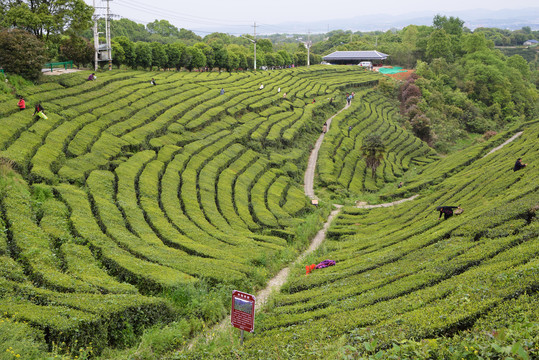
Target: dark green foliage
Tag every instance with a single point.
(22, 53)
(47, 19)
(78, 49)
(143, 55)
(373, 150)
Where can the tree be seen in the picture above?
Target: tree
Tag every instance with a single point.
(264, 45)
(193, 58)
(129, 51)
(163, 28)
(44, 18)
(475, 42)
(517, 62)
(188, 36)
(78, 49)
(270, 59)
(159, 55)
(421, 127)
(118, 54)
(208, 53)
(21, 53)
(452, 26)
(373, 150)
(143, 52)
(174, 55)
(128, 29)
(221, 57)
(439, 45)
(286, 57)
(233, 61)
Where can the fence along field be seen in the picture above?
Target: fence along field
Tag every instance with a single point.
(403, 274)
(130, 189)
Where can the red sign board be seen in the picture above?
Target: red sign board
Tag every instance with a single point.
(243, 311)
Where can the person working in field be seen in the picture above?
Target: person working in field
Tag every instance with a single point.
(21, 104)
(39, 111)
(519, 165)
(447, 211)
(153, 82)
(92, 77)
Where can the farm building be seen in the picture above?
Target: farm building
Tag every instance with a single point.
(530, 43)
(355, 57)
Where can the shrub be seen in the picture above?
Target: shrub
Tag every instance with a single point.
(22, 53)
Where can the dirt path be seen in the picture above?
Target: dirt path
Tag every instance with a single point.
(364, 205)
(278, 280)
(505, 143)
(308, 180)
(275, 283)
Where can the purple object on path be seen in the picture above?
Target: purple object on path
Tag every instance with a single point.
(325, 264)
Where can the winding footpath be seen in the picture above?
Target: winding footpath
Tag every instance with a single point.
(278, 280)
(505, 143)
(308, 180)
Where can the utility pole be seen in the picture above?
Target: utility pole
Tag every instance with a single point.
(109, 44)
(96, 40)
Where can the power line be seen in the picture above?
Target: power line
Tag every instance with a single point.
(182, 17)
(170, 14)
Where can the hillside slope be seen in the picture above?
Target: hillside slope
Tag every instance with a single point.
(403, 275)
(128, 192)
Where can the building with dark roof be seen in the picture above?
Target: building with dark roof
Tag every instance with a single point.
(355, 57)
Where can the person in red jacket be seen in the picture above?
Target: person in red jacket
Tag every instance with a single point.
(21, 104)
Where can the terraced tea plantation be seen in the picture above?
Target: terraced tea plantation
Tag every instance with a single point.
(341, 165)
(403, 275)
(129, 190)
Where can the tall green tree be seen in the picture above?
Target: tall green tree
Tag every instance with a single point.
(221, 56)
(21, 53)
(128, 28)
(45, 18)
(159, 55)
(451, 25)
(439, 45)
(193, 58)
(163, 28)
(174, 55)
(373, 150)
(143, 52)
(130, 58)
(78, 49)
(207, 50)
(118, 54)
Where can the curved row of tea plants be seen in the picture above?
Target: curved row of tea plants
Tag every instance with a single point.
(403, 276)
(128, 191)
(341, 164)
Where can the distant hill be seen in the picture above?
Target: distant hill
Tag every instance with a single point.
(512, 19)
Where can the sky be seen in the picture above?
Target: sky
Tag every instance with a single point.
(242, 14)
